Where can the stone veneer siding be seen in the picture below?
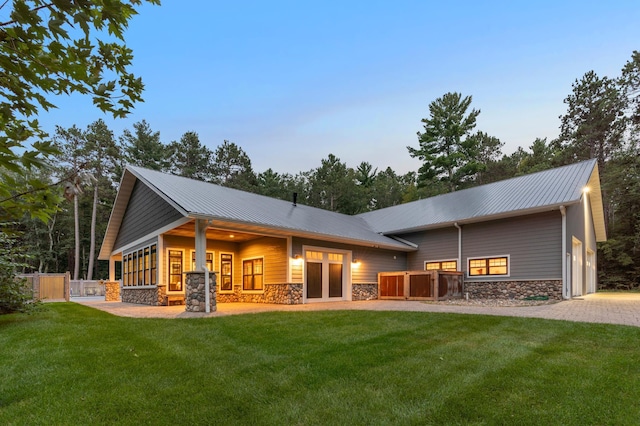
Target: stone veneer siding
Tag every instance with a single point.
(195, 292)
(513, 289)
(154, 296)
(281, 294)
(367, 291)
(112, 291)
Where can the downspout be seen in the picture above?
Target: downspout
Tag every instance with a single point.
(565, 285)
(207, 296)
(459, 244)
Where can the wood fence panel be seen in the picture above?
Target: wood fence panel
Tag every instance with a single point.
(52, 286)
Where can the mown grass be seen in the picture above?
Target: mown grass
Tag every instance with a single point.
(71, 364)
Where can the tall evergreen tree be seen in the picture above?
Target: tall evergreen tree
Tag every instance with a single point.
(449, 155)
(189, 158)
(232, 167)
(143, 147)
(594, 124)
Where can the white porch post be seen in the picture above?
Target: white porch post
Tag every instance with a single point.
(201, 244)
(112, 268)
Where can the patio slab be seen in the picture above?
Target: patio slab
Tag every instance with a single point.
(609, 308)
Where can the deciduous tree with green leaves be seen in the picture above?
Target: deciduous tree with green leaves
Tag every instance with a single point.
(51, 48)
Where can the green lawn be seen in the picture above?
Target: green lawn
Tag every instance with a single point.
(71, 364)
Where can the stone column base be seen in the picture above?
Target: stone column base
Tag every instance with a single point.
(112, 291)
(195, 292)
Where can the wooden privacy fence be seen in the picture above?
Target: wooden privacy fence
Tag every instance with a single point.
(49, 286)
(420, 285)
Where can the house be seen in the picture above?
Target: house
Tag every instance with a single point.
(530, 235)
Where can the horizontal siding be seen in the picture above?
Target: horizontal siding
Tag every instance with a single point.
(374, 261)
(533, 243)
(371, 260)
(274, 252)
(187, 244)
(437, 244)
(145, 213)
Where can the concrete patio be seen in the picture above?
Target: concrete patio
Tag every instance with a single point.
(609, 308)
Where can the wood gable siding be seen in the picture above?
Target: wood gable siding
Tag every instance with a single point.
(146, 213)
(371, 260)
(533, 243)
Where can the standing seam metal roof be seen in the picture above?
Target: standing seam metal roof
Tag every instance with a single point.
(206, 200)
(549, 188)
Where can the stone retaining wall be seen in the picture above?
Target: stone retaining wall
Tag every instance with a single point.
(364, 291)
(112, 291)
(514, 289)
(144, 296)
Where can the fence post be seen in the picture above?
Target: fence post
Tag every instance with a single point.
(36, 286)
(67, 286)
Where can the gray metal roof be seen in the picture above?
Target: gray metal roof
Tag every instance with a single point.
(517, 196)
(208, 201)
(522, 195)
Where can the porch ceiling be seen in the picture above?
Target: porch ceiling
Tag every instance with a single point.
(188, 230)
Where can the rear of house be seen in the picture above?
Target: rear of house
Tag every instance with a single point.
(527, 236)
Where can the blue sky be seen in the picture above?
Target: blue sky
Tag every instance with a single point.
(293, 81)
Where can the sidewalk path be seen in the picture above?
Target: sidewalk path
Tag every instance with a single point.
(609, 308)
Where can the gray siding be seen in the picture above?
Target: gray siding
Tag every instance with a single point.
(145, 213)
(371, 260)
(580, 225)
(437, 244)
(533, 242)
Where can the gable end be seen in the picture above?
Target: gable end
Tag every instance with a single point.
(145, 213)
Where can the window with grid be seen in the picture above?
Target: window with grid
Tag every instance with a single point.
(443, 265)
(489, 266)
(175, 270)
(226, 268)
(252, 274)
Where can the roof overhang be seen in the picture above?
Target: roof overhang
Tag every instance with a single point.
(281, 232)
(596, 205)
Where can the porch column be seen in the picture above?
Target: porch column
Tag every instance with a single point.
(112, 268)
(201, 244)
(195, 292)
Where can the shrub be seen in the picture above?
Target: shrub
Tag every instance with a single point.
(15, 293)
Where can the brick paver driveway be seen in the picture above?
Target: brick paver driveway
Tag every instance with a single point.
(610, 308)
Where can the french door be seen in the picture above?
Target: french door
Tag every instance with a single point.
(324, 276)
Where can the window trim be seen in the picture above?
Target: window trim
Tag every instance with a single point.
(132, 276)
(486, 259)
(262, 274)
(168, 260)
(440, 261)
(220, 254)
(213, 260)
